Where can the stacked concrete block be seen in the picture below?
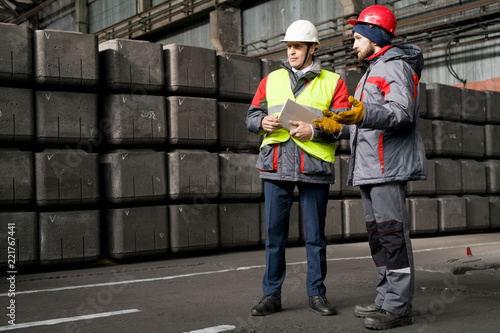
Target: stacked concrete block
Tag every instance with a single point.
(492, 176)
(239, 76)
(424, 187)
(473, 106)
(23, 228)
(334, 223)
(132, 65)
(134, 175)
(233, 133)
(473, 175)
(193, 174)
(452, 214)
(66, 177)
(134, 119)
(477, 212)
(69, 237)
(16, 53)
(448, 176)
(190, 70)
(270, 65)
(423, 215)
(294, 226)
(239, 179)
(444, 102)
(65, 58)
(423, 100)
(492, 141)
(17, 115)
(354, 223)
(239, 224)
(446, 138)
(492, 109)
(17, 179)
(192, 121)
(193, 227)
(66, 117)
(136, 232)
(472, 141)
(494, 210)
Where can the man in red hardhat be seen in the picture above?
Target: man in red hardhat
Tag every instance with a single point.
(301, 158)
(386, 152)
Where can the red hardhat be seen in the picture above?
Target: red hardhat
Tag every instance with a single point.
(378, 15)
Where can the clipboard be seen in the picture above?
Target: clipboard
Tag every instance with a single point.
(294, 111)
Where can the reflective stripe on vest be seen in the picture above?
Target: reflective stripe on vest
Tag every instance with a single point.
(316, 96)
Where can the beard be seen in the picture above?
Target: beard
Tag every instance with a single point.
(368, 52)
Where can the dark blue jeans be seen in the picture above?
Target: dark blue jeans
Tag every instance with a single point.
(278, 201)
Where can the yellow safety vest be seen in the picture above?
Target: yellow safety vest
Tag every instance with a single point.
(316, 96)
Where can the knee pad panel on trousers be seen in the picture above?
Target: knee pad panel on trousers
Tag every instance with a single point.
(391, 237)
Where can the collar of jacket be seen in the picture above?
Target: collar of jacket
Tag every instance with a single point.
(380, 53)
(311, 74)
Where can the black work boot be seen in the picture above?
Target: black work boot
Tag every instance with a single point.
(362, 310)
(267, 305)
(320, 304)
(384, 320)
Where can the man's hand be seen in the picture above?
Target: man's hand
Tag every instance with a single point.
(327, 124)
(303, 131)
(354, 116)
(270, 123)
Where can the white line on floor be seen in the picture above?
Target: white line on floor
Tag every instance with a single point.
(161, 278)
(215, 329)
(65, 320)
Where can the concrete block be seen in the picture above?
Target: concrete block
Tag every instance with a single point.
(135, 175)
(448, 176)
(472, 140)
(132, 65)
(346, 190)
(193, 227)
(135, 119)
(294, 226)
(22, 227)
(494, 212)
(334, 223)
(66, 117)
(423, 215)
(354, 223)
(492, 176)
(66, 177)
(269, 65)
(424, 187)
(66, 58)
(443, 102)
(423, 100)
(478, 212)
(233, 132)
(492, 109)
(190, 70)
(192, 121)
(452, 214)
(17, 114)
(239, 224)
(447, 138)
(352, 78)
(136, 232)
(239, 179)
(473, 106)
(193, 174)
(16, 54)
(473, 177)
(17, 177)
(425, 130)
(492, 140)
(335, 188)
(239, 76)
(69, 237)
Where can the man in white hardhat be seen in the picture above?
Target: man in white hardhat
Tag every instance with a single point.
(302, 157)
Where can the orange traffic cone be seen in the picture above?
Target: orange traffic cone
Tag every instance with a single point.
(468, 252)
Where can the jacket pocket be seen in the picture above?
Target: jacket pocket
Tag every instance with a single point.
(268, 158)
(311, 165)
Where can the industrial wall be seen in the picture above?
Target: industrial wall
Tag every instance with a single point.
(130, 149)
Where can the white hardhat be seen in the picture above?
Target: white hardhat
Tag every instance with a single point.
(301, 31)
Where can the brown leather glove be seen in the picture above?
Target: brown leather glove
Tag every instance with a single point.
(354, 116)
(327, 124)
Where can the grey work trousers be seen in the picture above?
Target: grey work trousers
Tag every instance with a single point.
(388, 227)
